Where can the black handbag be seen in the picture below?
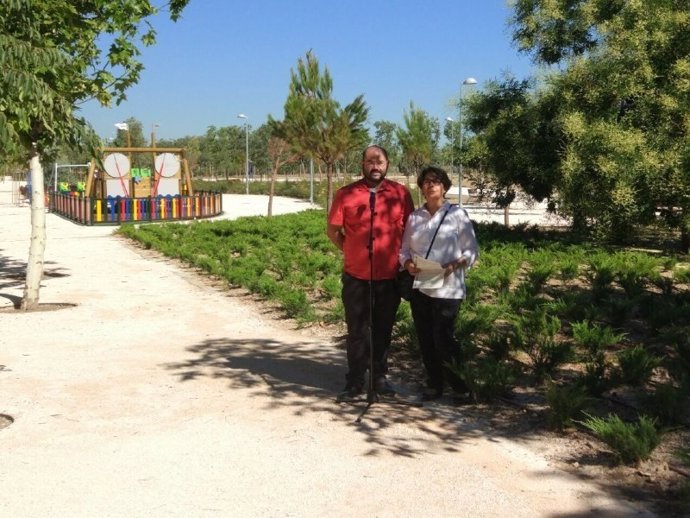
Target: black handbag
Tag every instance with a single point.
(405, 279)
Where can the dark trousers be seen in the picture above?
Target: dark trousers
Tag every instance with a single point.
(434, 321)
(356, 302)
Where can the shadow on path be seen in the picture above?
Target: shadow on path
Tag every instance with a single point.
(13, 276)
(305, 377)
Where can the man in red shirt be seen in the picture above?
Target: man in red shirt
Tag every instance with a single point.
(387, 204)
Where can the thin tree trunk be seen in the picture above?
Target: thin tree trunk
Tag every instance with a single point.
(685, 233)
(506, 215)
(329, 187)
(272, 189)
(34, 266)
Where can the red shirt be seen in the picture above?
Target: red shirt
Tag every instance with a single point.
(351, 210)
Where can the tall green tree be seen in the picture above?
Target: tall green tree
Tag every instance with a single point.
(385, 135)
(52, 59)
(222, 151)
(132, 136)
(517, 138)
(622, 78)
(258, 149)
(314, 124)
(418, 138)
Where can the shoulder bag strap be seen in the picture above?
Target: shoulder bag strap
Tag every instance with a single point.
(433, 238)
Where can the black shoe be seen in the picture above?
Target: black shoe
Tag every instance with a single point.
(431, 394)
(349, 393)
(383, 388)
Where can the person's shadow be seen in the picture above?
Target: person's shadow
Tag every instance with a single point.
(302, 368)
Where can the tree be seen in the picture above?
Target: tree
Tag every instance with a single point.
(451, 130)
(314, 124)
(132, 136)
(419, 138)
(222, 150)
(280, 154)
(51, 61)
(623, 85)
(517, 130)
(258, 149)
(385, 135)
(192, 146)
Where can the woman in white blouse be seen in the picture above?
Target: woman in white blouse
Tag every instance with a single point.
(441, 236)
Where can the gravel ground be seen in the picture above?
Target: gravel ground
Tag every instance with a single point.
(151, 392)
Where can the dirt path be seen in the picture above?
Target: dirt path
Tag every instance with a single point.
(159, 395)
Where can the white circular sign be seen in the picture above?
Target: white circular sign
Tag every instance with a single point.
(116, 165)
(167, 165)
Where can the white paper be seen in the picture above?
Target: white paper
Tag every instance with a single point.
(431, 276)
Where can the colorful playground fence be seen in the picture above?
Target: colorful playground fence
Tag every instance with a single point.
(116, 210)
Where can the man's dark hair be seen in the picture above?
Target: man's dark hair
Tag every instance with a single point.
(375, 146)
(435, 173)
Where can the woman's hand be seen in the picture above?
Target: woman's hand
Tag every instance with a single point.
(411, 267)
(455, 265)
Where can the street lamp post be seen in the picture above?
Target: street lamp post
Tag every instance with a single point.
(470, 81)
(153, 134)
(246, 151)
(153, 143)
(452, 141)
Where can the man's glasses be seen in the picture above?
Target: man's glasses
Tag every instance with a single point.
(431, 181)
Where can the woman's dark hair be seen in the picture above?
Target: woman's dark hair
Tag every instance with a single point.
(375, 146)
(437, 174)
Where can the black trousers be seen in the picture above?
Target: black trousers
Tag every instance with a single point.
(434, 321)
(355, 296)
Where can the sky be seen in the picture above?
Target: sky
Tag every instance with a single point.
(225, 57)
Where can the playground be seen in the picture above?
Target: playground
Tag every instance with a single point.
(134, 184)
(160, 394)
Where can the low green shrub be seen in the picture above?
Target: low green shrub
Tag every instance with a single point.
(296, 305)
(664, 283)
(568, 268)
(521, 298)
(540, 271)
(499, 345)
(683, 455)
(618, 309)
(634, 270)
(596, 378)
(486, 378)
(681, 274)
(636, 365)
(565, 403)
(593, 337)
(668, 404)
(663, 312)
(630, 442)
(535, 333)
(404, 333)
(601, 273)
(476, 320)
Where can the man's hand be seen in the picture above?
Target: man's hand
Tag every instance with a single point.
(335, 234)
